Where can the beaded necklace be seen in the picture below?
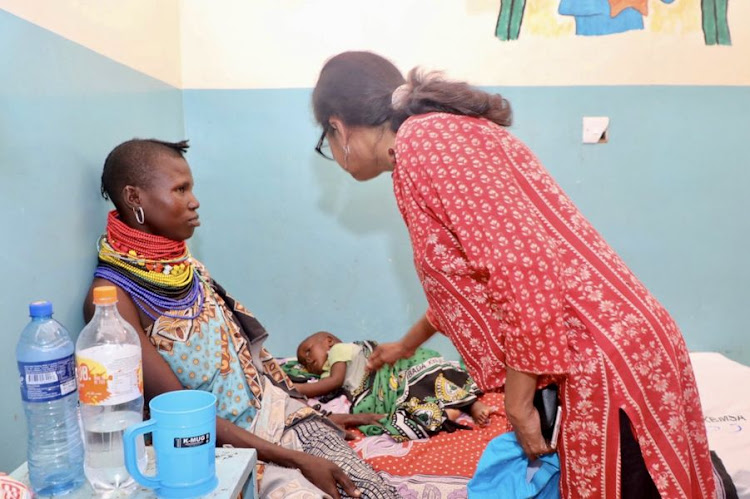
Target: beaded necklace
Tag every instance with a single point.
(158, 273)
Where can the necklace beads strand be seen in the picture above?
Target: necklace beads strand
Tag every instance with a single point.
(149, 302)
(125, 238)
(157, 272)
(166, 273)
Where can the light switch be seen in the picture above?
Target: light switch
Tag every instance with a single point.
(595, 129)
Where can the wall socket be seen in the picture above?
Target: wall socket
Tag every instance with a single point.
(595, 129)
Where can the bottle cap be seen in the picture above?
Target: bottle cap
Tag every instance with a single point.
(40, 309)
(105, 295)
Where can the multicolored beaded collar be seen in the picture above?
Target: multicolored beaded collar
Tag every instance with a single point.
(158, 273)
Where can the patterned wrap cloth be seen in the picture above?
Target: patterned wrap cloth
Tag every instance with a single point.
(214, 352)
(414, 392)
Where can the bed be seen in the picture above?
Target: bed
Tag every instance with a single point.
(724, 387)
(440, 468)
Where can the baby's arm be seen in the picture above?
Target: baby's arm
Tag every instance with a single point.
(325, 385)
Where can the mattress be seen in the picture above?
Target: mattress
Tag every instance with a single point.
(441, 467)
(724, 387)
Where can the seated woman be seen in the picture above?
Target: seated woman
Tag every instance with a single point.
(194, 335)
(420, 395)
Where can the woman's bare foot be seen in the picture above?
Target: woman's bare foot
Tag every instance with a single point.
(481, 413)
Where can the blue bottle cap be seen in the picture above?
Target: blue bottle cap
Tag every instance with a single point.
(40, 309)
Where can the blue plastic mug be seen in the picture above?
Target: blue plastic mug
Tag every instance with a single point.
(183, 428)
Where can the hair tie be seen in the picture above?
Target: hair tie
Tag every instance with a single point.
(400, 96)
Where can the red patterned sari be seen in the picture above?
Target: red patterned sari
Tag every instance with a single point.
(515, 275)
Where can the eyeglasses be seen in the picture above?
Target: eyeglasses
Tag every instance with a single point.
(323, 148)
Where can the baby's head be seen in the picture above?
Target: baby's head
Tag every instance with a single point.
(313, 351)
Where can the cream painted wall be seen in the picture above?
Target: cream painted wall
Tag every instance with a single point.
(142, 34)
(283, 43)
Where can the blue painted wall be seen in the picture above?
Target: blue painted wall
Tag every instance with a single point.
(62, 109)
(300, 243)
(306, 247)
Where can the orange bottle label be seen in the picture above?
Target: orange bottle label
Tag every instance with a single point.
(115, 377)
(93, 381)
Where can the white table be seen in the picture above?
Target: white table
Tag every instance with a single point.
(235, 469)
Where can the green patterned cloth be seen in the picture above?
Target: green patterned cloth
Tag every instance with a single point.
(414, 392)
(296, 372)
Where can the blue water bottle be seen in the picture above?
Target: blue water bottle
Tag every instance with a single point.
(46, 364)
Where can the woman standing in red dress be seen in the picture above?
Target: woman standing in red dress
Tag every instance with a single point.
(522, 284)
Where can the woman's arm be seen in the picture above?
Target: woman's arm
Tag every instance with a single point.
(159, 378)
(325, 385)
(419, 333)
(388, 353)
(519, 407)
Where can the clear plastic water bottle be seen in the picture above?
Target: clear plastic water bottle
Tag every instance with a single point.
(110, 387)
(48, 388)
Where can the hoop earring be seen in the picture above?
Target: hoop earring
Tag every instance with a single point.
(140, 217)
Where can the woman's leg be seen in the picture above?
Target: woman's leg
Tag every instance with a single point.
(635, 483)
(319, 439)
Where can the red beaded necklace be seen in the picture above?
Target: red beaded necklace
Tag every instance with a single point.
(149, 246)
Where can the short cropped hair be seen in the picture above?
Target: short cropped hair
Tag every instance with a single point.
(131, 163)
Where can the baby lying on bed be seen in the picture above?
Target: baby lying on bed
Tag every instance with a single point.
(420, 396)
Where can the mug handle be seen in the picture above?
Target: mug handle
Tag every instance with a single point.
(128, 440)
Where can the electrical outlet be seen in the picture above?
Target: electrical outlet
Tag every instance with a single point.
(595, 129)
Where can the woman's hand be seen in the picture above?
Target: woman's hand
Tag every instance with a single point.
(345, 421)
(388, 353)
(350, 420)
(528, 428)
(325, 475)
(519, 408)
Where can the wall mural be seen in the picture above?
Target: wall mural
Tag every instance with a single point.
(715, 26)
(606, 17)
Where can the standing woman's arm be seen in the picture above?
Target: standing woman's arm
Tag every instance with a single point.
(388, 353)
(519, 407)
